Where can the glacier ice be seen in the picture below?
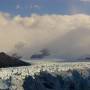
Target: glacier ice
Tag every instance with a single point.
(47, 76)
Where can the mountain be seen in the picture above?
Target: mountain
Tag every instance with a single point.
(9, 61)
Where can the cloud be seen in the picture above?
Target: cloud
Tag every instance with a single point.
(85, 0)
(33, 6)
(17, 6)
(36, 6)
(63, 35)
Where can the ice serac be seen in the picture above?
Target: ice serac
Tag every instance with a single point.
(9, 61)
(47, 76)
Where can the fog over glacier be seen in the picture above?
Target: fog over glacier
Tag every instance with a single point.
(62, 35)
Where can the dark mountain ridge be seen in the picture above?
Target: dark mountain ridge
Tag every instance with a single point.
(9, 61)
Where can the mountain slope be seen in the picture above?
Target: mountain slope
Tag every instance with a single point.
(8, 61)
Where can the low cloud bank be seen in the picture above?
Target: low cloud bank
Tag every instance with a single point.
(62, 35)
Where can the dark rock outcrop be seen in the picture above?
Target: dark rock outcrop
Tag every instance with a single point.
(9, 61)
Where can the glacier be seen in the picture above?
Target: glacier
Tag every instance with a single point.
(46, 75)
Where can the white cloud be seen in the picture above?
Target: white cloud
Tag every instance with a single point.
(67, 35)
(17, 6)
(85, 0)
(34, 6)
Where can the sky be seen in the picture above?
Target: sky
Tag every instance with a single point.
(27, 7)
(61, 26)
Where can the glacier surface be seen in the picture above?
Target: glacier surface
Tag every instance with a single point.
(47, 76)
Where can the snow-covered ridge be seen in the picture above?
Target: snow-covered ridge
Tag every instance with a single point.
(14, 78)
